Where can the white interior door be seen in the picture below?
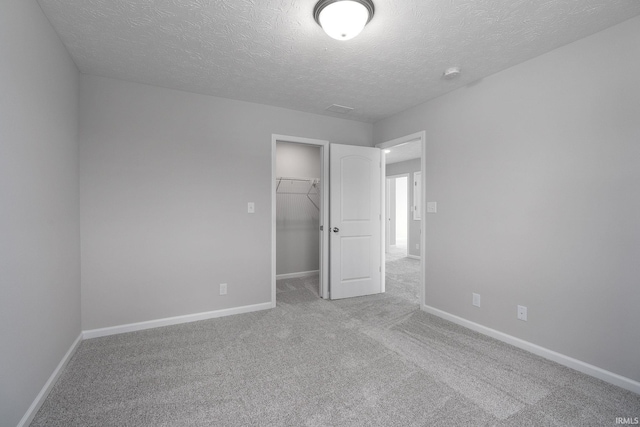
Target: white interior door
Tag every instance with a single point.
(355, 221)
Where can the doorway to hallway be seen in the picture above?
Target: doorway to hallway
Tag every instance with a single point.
(404, 260)
(397, 208)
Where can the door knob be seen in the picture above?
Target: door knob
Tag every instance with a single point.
(336, 229)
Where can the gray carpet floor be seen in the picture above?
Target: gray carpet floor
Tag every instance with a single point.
(369, 361)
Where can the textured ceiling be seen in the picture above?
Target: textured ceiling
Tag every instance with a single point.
(273, 52)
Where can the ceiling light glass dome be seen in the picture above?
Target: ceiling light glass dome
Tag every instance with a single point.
(343, 19)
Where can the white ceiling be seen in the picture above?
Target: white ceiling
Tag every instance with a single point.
(273, 52)
(400, 153)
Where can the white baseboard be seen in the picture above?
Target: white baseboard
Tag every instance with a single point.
(578, 365)
(413, 256)
(131, 327)
(40, 398)
(295, 275)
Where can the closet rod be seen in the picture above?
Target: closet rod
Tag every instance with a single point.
(284, 178)
(280, 178)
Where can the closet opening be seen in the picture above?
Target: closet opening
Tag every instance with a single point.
(299, 204)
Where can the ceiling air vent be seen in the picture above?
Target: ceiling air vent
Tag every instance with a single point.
(341, 109)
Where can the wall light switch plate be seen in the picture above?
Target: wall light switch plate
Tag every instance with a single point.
(223, 288)
(251, 207)
(432, 207)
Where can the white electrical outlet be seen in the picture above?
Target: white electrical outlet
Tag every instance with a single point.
(251, 207)
(476, 300)
(223, 288)
(432, 207)
(522, 312)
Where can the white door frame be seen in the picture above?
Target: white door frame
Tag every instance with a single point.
(324, 210)
(388, 201)
(422, 136)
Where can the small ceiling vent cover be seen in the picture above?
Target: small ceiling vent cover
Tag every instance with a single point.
(341, 109)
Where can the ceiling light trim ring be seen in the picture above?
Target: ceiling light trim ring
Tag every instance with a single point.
(368, 4)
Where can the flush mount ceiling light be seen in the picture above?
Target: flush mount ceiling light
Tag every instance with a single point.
(343, 19)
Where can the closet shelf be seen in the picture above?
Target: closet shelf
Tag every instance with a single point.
(302, 186)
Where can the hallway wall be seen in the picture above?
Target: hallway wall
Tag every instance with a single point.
(410, 167)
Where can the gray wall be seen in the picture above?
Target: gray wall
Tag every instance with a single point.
(39, 224)
(536, 171)
(413, 230)
(297, 219)
(165, 180)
